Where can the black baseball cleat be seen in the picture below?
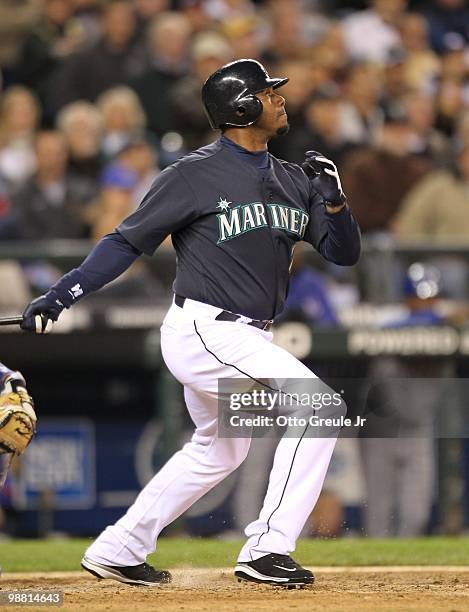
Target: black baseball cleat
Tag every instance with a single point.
(143, 574)
(279, 570)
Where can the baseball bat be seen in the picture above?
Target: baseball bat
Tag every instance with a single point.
(11, 320)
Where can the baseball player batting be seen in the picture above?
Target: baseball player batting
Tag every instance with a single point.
(235, 213)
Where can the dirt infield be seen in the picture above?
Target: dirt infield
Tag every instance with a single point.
(337, 589)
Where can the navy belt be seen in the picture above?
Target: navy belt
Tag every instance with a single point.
(179, 300)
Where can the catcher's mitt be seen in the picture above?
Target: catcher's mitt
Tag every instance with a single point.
(17, 416)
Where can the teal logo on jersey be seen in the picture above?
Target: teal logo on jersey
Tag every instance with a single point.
(247, 217)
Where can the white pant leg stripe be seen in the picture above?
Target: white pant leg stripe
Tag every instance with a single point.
(283, 492)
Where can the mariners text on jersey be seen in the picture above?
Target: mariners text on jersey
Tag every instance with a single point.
(247, 217)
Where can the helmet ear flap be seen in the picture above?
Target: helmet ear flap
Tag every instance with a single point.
(248, 109)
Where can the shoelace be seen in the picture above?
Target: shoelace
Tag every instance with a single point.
(285, 561)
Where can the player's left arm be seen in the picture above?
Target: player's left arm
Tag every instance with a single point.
(332, 229)
(168, 206)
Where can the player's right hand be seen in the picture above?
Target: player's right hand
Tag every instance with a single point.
(41, 313)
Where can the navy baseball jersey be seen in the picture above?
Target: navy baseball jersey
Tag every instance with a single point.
(233, 226)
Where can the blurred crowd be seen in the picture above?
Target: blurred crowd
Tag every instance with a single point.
(99, 95)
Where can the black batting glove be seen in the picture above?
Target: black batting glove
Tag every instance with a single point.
(40, 315)
(324, 177)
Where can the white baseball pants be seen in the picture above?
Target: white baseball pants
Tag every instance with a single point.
(198, 351)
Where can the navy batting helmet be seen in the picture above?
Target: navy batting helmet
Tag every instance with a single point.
(229, 93)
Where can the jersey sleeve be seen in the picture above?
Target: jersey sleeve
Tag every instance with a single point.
(336, 236)
(169, 206)
(317, 227)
